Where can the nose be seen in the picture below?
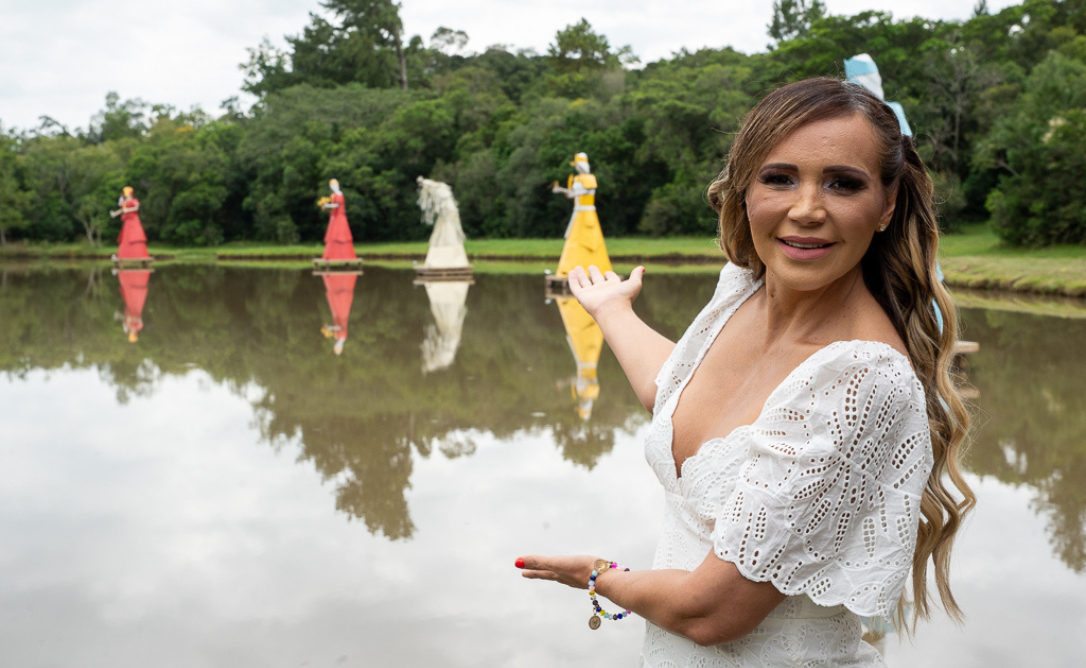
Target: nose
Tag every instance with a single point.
(808, 207)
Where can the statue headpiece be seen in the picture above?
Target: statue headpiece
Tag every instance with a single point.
(333, 182)
(127, 190)
(580, 157)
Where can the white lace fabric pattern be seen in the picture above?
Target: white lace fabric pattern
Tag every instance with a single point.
(820, 496)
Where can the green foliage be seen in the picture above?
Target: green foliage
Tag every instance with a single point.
(69, 181)
(500, 124)
(183, 173)
(578, 56)
(13, 199)
(793, 18)
(101, 172)
(364, 45)
(950, 198)
(119, 120)
(1041, 147)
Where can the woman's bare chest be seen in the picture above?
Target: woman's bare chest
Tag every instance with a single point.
(728, 390)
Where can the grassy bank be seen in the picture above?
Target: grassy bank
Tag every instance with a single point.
(631, 249)
(977, 259)
(974, 258)
(621, 250)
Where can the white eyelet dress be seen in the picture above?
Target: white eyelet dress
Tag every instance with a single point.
(820, 496)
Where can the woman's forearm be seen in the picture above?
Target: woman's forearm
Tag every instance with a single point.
(640, 349)
(711, 605)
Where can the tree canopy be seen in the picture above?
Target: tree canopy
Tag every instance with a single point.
(995, 100)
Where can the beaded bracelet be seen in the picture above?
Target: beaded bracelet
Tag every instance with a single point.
(594, 621)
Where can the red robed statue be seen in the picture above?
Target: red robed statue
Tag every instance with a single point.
(134, 292)
(132, 242)
(338, 243)
(339, 289)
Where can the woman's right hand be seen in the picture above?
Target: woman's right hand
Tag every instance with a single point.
(598, 292)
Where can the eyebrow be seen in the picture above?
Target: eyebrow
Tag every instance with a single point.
(830, 169)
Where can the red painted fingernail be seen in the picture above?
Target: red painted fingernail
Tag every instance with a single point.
(519, 563)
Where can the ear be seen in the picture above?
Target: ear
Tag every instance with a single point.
(891, 204)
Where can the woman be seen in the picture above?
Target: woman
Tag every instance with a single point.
(132, 242)
(803, 425)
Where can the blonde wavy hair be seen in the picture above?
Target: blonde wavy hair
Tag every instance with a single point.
(899, 270)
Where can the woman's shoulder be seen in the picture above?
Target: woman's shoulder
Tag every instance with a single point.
(734, 280)
(838, 369)
(843, 384)
(874, 353)
(734, 273)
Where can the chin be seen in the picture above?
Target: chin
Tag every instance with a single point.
(806, 276)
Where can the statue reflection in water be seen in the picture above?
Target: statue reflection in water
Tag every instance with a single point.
(134, 292)
(448, 303)
(446, 275)
(585, 340)
(339, 290)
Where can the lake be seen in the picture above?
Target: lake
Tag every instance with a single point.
(190, 475)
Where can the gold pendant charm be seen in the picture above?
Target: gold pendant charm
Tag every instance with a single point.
(600, 565)
(594, 622)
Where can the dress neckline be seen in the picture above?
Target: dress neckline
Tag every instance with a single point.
(676, 468)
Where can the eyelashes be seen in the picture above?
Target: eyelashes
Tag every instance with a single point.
(847, 184)
(842, 184)
(776, 179)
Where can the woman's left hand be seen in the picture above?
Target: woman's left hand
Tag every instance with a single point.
(571, 570)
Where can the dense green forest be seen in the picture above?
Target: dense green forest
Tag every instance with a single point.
(998, 104)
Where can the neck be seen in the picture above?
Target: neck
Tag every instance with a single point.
(800, 315)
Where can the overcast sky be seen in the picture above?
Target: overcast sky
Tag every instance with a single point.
(61, 57)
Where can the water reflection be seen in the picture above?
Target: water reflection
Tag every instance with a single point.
(133, 284)
(243, 433)
(339, 291)
(503, 372)
(585, 339)
(362, 425)
(1031, 416)
(448, 304)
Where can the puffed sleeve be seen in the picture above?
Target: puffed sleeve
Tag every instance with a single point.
(827, 503)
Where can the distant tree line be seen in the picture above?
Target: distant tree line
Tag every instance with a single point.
(998, 104)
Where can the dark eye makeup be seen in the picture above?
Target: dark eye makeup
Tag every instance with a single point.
(845, 183)
(775, 178)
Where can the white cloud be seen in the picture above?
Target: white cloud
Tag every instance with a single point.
(61, 57)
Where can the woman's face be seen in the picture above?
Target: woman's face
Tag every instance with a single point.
(816, 201)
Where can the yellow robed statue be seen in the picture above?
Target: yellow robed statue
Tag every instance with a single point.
(585, 340)
(584, 237)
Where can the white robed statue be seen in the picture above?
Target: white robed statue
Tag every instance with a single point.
(448, 304)
(447, 240)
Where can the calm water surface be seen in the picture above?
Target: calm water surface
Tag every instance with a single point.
(227, 491)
